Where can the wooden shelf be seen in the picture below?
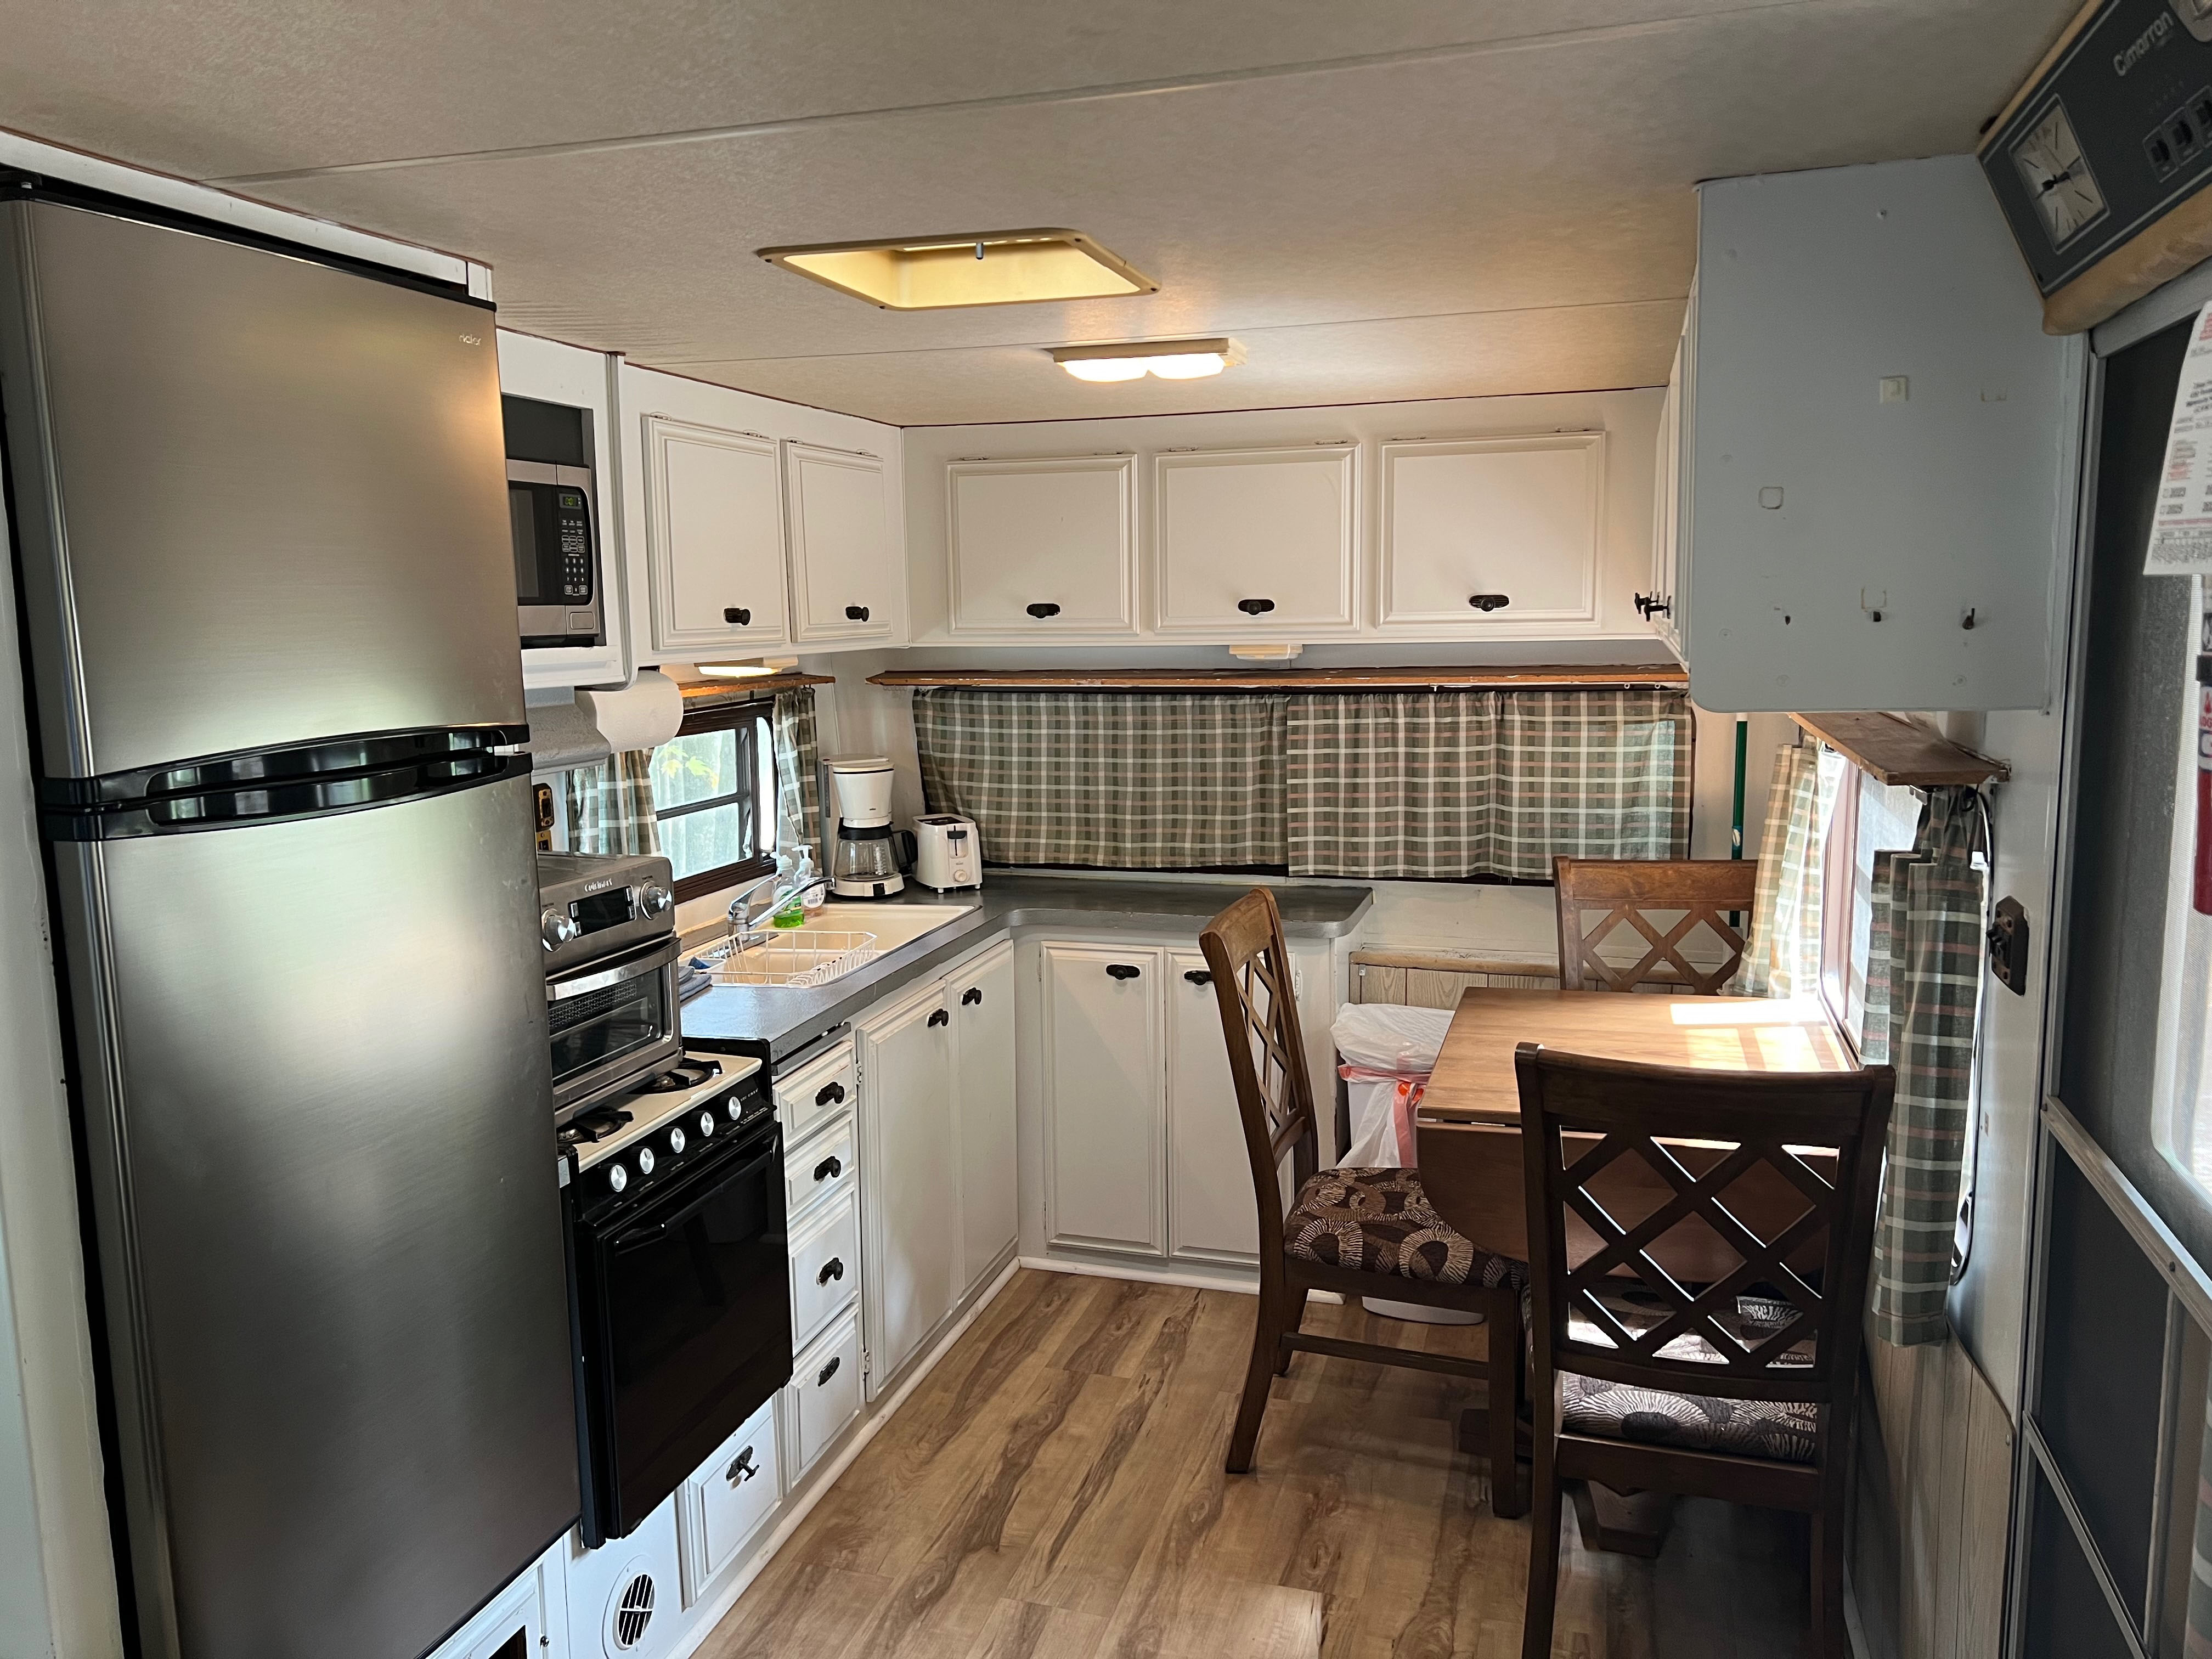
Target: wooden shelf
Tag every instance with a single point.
(1570, 675)
(1896, 751)
(711, 691)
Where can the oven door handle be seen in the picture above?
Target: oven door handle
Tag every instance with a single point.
(633, 1237)
(655, 956)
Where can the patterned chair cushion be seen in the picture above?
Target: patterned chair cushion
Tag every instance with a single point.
(1378, 1221)
(1783, 1432)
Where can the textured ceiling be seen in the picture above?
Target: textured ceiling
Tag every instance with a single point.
(1413, 200)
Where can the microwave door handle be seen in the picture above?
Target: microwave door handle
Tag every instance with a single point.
(633, 1237)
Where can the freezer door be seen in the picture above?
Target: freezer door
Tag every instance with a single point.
(259, 500)
(320, 1126)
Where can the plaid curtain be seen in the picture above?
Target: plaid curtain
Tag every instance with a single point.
(798, 772)
(1782, 954)
(608, 806)
(1924, 993)
(1444, 785)
(1112, 780)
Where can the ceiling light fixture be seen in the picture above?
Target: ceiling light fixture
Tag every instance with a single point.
(974, 268)
(1170, 359)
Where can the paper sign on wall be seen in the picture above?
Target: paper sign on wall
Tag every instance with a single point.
(2181, 529)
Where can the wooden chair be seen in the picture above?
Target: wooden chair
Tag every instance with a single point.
(1744, 1388)
(1359, 1232)
(1628, 891)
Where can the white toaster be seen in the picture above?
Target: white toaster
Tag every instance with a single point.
(947, 853)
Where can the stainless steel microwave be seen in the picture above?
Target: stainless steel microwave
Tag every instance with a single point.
(553, 511)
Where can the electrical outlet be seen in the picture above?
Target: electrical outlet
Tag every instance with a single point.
(2008, 946)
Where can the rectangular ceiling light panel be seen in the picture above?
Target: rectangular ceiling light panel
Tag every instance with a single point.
(928, 273)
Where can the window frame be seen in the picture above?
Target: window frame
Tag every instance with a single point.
(728, 717)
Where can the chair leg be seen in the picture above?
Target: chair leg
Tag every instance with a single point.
(1830, 1639)
(1259, 1373)
(1509, 1498)
(1294, 1316)
(1543, 1551)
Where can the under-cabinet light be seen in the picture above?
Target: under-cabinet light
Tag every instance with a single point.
(981, 268)
(1170, 359)
(735, 671)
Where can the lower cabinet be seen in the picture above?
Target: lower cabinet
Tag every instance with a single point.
(983, 1005)
(529, 1620)
(722, 1507)
(825, 1395)
(1210, 1215)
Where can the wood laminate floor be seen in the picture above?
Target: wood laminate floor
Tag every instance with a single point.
(1054, 1490)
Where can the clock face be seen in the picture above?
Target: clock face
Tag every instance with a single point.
(2057, 177)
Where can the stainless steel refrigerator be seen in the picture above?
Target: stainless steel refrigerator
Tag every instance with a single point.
(259, 515)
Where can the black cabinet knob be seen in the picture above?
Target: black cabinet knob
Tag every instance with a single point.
(829, 1371)
(740, 615)
(856, 613)
(741, 1468)
(1121, 970)
(1649, 605)
(1255, 607)
(1199, 976)
(940, 1017)
(971, 998)
(829, 1169)
(1487, 602)
(833, 1268)
(830, 1092)
(1041, 611)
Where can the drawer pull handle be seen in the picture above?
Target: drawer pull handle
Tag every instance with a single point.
(833, 1268)
(829, 1169)
(856, 613)
(823, 1376)
(1199, 976)
(740, 615)
(1121, 970)
(741, 1468)
(971, 998)
(940, 1017)
(1041, 611)
(1255, 607)
(1487, 602)
(830, 1093)
(1649, 605)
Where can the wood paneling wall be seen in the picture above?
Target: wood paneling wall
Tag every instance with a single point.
(1418, 979)
(1931, 1505)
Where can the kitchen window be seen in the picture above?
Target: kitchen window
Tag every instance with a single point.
(713, 798)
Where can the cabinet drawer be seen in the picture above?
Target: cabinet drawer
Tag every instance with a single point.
(825, 1392)
(817, 1092)
(736, 1490)
(825, 1267)
(818, 1171)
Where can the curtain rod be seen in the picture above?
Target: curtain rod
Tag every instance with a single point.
(1572, 676)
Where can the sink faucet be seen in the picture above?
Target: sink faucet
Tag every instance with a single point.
(745, 920)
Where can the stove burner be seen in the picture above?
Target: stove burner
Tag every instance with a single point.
(684, 1075)
(595, 1124)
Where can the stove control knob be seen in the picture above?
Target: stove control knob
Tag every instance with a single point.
(706, 1124)
(645, 1160)
(676, 1141)
(557, 929)
(654, 899)
(617, 1178)
(736, 1109)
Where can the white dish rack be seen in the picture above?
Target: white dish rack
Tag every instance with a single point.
(815, 958)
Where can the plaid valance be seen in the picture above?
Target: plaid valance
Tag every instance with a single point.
(1436, 785)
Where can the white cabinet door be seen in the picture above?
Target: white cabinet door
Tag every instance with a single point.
(845, 580)
(982, 998)
(1258, 541)
(910, 1177)
(1210, 1215)
(1105, 1102)
(715, 537)
(1479, 532)
(1043, 547)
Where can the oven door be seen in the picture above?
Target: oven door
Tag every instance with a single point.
(612, 1022)
(686, 1313)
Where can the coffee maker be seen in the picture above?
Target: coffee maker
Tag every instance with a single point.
(866, 862)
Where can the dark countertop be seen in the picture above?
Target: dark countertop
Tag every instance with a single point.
(787, 1019)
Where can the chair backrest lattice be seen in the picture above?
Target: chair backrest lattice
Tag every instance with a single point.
(1250, 965)
(1769, 1178)
(1699, 951)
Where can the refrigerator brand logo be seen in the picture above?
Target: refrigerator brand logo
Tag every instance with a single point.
(2143, 45)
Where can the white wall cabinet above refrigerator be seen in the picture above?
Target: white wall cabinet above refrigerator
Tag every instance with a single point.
(1878, 448)
(1265, 540)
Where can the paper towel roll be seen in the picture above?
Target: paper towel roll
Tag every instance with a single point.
(642, 715)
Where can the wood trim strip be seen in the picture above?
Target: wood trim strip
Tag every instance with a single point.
(2190, 1284)
(1670, 676)
(746, 689)
(1444, 963)
(1896, 751)
(2035, 75)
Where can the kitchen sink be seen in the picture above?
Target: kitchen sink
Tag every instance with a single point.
(836, 939)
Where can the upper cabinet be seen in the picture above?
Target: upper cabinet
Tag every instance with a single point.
(1480, 532)
(1668, 562)
(715, 537)
(1259, 540)
(1042, 547)
(847, 575)
(1879, 448)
